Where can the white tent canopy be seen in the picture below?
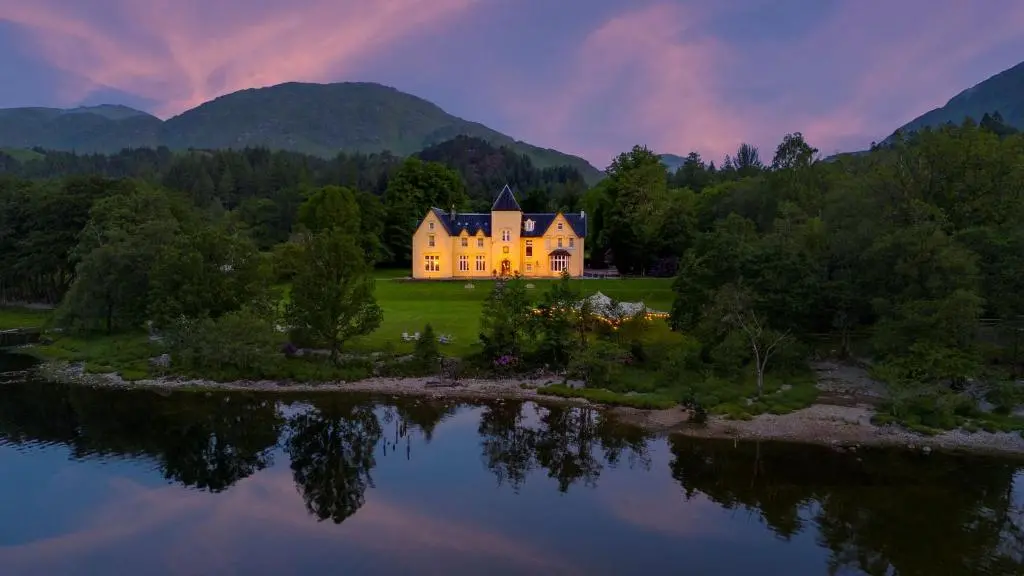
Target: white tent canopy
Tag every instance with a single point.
(604, 306)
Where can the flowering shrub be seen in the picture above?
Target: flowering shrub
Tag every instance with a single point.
(505, 361)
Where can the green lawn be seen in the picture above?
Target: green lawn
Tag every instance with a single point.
(453, 309)
(22, 154)
(408, 306)
(11, 318)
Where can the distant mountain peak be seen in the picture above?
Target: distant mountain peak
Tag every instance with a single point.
(110, 111)
(1002, 92)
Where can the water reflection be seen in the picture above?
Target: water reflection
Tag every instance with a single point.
(331, 448)
(668, 503)
(562, 441)
(879, 511)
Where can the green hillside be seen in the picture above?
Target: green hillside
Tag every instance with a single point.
(318, 119)
(672, 161)
(1002, 93)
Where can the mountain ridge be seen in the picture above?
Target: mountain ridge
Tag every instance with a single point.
(1002, 92)
(318, 119)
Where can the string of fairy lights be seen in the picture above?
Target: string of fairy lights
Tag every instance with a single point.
(613, 321)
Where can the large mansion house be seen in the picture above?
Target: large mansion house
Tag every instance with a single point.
(451, 245)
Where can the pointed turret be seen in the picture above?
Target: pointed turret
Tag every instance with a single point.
(506, 201)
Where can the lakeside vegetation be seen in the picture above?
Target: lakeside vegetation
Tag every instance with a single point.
(907, 258)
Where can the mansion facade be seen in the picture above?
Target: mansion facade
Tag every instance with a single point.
(450, 245)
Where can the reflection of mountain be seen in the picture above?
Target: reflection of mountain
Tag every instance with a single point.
(880, 512)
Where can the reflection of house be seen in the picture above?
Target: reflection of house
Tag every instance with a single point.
(503, 242)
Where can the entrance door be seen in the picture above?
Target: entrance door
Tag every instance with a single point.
(506, 268)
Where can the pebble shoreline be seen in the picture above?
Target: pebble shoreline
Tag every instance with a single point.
(841, 427)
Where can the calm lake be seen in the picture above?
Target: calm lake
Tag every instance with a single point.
(99, 482)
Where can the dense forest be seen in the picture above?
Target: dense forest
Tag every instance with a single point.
(909, 254)
(261, 189)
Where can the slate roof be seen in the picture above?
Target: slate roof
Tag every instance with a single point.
(471, 223)
(578, 223)
(506, 201)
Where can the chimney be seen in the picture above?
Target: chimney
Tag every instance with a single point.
(453, 214)
(583, 214)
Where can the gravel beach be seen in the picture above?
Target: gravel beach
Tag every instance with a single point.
(843, 421)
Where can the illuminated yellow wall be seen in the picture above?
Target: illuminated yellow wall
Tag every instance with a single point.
(448, 249)
(539, 265)
(502, 250)
(421, 248)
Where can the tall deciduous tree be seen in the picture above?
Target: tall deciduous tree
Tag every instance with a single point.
(415, 188)
(332, 292)
(124, 234)
(637, 194)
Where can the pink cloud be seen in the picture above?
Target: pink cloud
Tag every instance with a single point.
(913, 60)
(220, 528)
(666, 82)
(655, 75)
(182, 54)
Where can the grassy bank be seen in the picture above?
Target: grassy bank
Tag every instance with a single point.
(11, 318)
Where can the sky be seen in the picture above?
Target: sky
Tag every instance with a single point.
(587, 77)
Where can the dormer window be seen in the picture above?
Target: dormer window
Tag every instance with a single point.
(528, 225)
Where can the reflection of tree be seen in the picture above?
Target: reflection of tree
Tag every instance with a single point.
(207, 441)
(563, 442)
(880, 511)
(332, 452)
(508, 444)
(423, 415)
(407, 415)
(565, 446)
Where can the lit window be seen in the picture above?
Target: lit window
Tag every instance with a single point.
(506, 235)
(432, 263)
(572, 242)
(430, 241)
(465, 242)
(481, 264)
(479, 242)
(529, 248)
(559, 226)
(559, 262)
(463, 263)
